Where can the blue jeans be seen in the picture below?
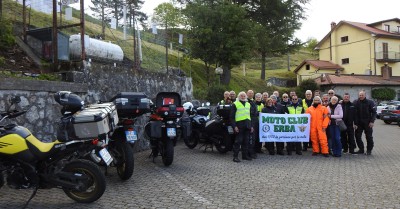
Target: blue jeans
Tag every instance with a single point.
(336, 144)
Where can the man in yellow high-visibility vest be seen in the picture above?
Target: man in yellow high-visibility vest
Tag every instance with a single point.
(241, 122)
(294, 108)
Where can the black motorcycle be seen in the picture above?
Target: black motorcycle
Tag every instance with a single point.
(26, 162)
(163, 125)
(199, 116)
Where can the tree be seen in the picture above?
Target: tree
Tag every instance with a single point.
(167, 16)
(99, 7)
(133, 11)
(277, 21)
(383, 94)
(310, 46)
(219, 34)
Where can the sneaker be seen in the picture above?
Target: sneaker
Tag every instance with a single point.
(280, 153)
(246, 158)
(236, 160)
(368, 153)
(289, 153)
(352, 152)
(271, 153)
(345, 150)
(254, 156)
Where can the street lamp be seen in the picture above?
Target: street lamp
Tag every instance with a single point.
(219, 72)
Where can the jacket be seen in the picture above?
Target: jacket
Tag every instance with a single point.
(270, 109)
(306, 103)
(336, 113)
(239, 124)
(253, 111)
(295, 107)
(365, 111)
(348, 113)
(319, 116)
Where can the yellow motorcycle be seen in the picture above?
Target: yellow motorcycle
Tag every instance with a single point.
(26, 162)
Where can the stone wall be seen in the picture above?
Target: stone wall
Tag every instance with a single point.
(95, 83)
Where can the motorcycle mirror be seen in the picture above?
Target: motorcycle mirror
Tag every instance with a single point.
(207, 104)
(15, 100)
(202, 104)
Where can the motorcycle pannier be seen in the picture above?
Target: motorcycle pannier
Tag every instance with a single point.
(186, 127)
(90, 123)
(111, 112)
(131, 104)
(155, 129)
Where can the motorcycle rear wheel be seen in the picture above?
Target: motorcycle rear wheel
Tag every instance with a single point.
(97, 181)
(124, 154)
(167, 153)
(223, 143)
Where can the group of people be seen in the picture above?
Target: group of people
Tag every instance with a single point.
(326, 112)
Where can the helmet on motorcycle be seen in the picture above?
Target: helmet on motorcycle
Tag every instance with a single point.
(70, 102)
(188, 107)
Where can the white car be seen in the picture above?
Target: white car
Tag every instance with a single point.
(379, 109)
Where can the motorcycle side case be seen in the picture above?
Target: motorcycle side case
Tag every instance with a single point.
(155, 129)
(214, 126)
(90, 123)
(224, 111)
(111, 111)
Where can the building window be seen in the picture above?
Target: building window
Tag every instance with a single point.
(307, 67)
(344, 39)
(345, 61)
(387, 28)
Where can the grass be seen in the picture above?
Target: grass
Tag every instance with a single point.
(154, 54)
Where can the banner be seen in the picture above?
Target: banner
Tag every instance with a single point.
(284, 127)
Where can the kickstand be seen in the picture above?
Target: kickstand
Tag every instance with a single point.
(33, 195)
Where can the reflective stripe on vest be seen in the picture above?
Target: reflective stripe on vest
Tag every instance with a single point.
(296, 110)
(242, 112)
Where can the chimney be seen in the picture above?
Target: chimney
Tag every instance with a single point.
(337, 72)
(386, 72)
(333, 24)
(323, 77)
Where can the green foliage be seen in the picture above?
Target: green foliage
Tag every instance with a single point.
(49, 77)
(305, 85)
(383, 93)
(310, 46)
(6, 37)
(167, 15)
(2, 60)
(215, 93)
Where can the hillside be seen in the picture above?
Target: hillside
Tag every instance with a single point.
(154, 54)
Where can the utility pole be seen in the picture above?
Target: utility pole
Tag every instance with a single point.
(83, 55)
(24, 19)
(55, 38)
(166, 44)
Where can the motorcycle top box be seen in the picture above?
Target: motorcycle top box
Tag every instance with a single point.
(224, 111)
(131, 104)
(169, 105)
(204, 111)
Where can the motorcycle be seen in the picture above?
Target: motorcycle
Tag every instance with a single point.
(199, 116)
(163, 124)
(219, 130)
(26, 162)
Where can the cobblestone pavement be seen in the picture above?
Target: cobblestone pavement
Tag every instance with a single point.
(211, 180)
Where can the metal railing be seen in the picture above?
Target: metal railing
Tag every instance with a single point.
(389, 56)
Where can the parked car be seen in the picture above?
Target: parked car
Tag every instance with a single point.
(391, 114)
(379, 108)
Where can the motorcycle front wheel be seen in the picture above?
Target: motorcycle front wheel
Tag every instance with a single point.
(223, 142)
(167, 152)
(192, 141)
(95, 186)
(123, 153)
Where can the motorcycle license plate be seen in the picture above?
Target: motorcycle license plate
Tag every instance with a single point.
(105, 155)
(230, 130)
(171, 132)
(131, 136)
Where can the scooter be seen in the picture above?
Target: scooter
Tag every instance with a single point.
(26, 162)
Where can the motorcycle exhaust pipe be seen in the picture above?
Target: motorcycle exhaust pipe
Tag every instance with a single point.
(94, 156)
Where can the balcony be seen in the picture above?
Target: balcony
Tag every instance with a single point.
(389, 56)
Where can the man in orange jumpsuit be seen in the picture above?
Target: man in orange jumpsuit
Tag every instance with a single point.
(319, 123)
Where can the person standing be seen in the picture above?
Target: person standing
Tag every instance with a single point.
(265, 96)
(334, 130)
(276, 93)
(226, 100)
(294, 108)
(254, 122)
(260, 106)
(347, 137)
(272, 109)
(317, 93)
(285, 100)
(232, 96)
(306, 103)
(319, 122)
(365, 115)
(241, 123)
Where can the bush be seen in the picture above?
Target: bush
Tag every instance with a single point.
(308, 84)
(215, 93)
(383, 94)
(2, 60)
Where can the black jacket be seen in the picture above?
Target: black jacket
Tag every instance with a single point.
(348, 113)
(239, 124)
(365, 111)
(272, 110)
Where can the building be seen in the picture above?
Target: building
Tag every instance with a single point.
(354, 49)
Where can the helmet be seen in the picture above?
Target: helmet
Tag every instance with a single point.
(188, 106)
(70, 102)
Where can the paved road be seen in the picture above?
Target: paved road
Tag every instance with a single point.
(211, 180)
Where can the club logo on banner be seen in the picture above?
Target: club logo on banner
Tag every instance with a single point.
(284, 127)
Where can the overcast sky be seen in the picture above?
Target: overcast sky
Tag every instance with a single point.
(320, 14)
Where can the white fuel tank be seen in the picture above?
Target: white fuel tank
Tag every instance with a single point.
(95, 49)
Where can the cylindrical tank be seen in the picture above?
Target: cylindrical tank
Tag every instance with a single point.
(95, 49)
